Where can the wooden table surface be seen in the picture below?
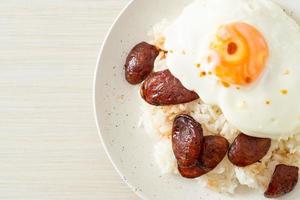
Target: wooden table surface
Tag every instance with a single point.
(49, 145)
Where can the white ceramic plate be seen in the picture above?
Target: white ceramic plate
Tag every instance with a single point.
(118, 110)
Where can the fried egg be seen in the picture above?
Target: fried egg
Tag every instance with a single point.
(244, 56)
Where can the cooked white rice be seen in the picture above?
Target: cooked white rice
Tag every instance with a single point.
(226, 177)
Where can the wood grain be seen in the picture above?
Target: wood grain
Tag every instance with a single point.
(49, 146)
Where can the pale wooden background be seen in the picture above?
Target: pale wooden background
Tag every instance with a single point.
(49, 147)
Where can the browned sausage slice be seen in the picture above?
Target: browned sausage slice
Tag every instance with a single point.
(283, 181)
(214, 149)
(162, 88)
(187, 137)
(192, 172)
(246, 150)
(140, 62)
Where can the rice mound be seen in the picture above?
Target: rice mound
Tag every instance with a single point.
(158, 121)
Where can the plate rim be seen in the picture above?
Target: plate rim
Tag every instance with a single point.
(96, 115)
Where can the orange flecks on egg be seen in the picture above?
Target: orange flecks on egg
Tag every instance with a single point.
(198, 65)
(242, 51)
(209, 59)
(202, 74)
(225, 84)
(284, 92)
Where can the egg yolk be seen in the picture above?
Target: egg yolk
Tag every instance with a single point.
(242, 52)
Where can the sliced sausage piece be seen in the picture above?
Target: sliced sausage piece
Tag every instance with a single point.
(214, 149)
(162, 88)
(187, 137)
(283, 181)
(140, 62)
(192, 172)
(246, 150)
